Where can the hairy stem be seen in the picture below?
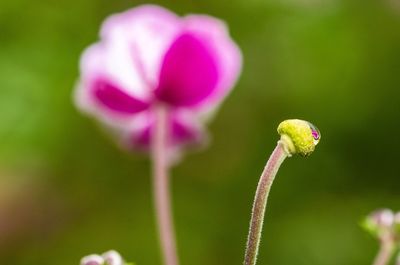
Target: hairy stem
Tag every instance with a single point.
(260, 202)
(386, 251)
(161, 187)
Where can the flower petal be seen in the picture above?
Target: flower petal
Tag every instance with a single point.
(148, 30)
(92, 260)
(183, 131)
(112, 257)
(189, 72)
(201, 66)
(116, 99)
(227, 56)
(104, 93)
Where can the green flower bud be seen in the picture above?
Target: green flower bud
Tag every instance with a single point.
(298, 137)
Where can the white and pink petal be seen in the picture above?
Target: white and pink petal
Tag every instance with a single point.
(148, 31)
(183, 131)
(227, 53)
(201, 66)
(189, 72)
(106, 93)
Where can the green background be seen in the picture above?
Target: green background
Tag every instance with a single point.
(66, 190)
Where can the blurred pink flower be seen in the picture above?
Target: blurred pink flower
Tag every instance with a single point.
(148, 56)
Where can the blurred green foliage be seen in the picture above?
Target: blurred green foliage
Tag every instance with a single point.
(67, 191)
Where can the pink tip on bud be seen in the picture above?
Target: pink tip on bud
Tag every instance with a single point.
(92, 260)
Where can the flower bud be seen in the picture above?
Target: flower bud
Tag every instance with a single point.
(380, 223)
(92, 260)
(298, 137)
(382, 218)
(112, 257)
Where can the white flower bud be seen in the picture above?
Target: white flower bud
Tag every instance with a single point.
(382, 218)
(92, 260)
(112, 257)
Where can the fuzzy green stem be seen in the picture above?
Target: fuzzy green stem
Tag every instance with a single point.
(161, 187)
(386, 250)
(260, 202)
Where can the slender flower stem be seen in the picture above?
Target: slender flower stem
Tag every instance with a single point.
(260, 201)
(161, 187)
(386, 251)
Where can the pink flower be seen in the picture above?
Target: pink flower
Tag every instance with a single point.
(148, 56)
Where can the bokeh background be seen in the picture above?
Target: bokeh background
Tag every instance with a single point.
(66, 190)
